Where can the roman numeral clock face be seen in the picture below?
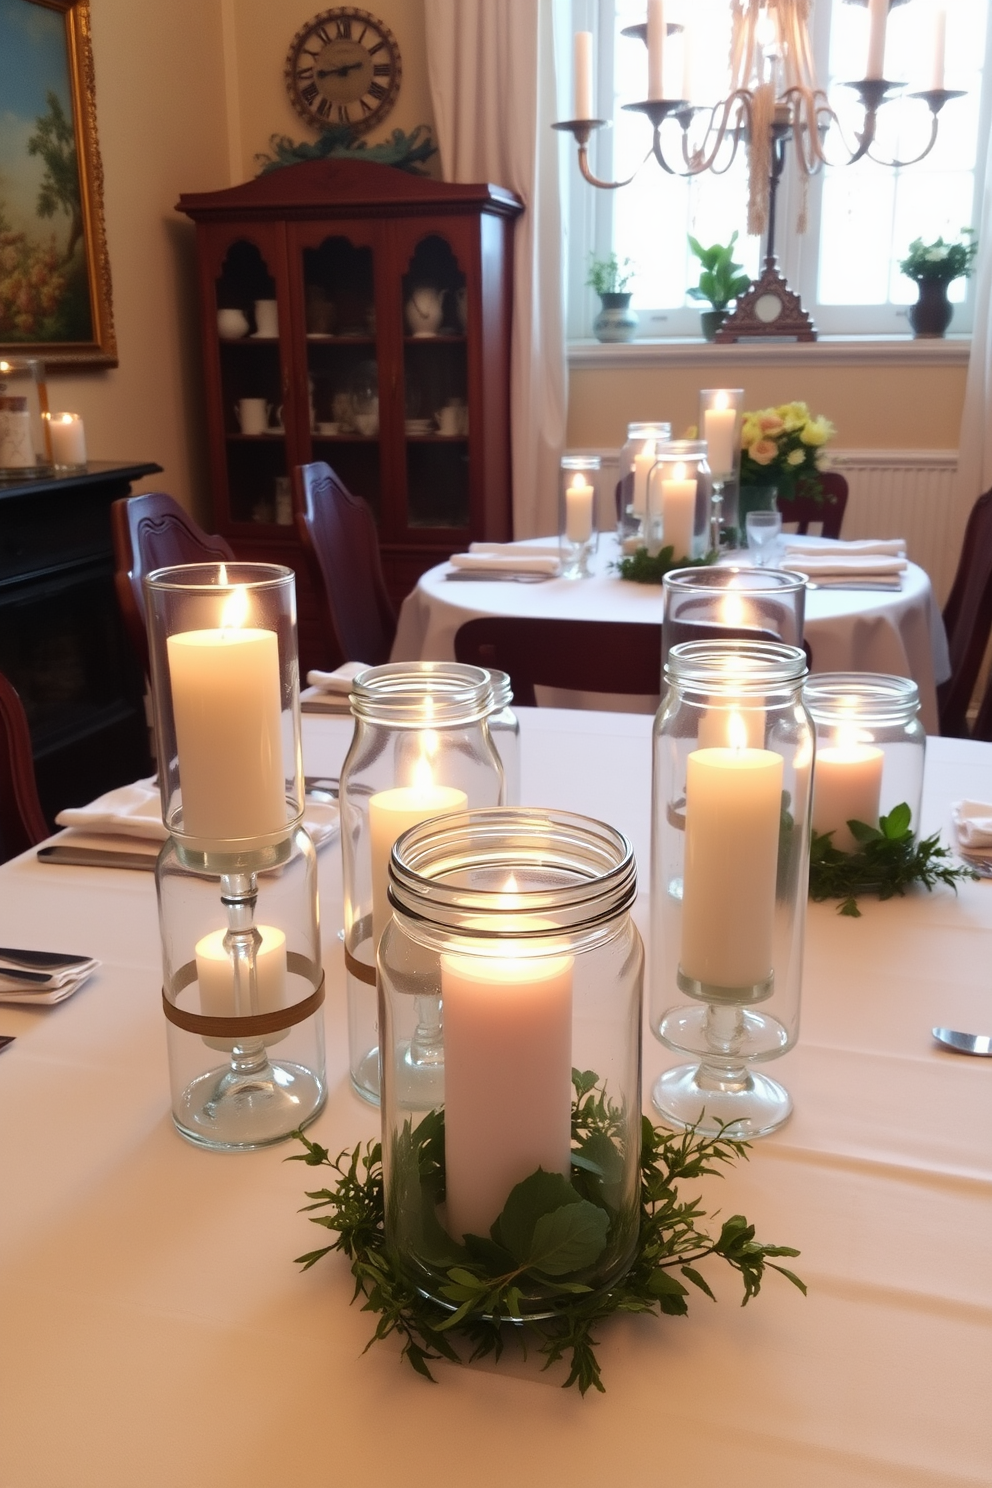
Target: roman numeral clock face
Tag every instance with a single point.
(343, 68)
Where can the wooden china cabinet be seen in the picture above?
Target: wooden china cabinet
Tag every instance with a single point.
(386, 353)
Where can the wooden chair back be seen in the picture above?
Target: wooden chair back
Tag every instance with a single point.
(153, 531)
(339, 536)
(831, 512)
(22, 821)
(968, 622)
(581, 655)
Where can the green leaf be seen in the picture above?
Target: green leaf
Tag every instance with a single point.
(584, 1081)
(896, 824)
(542, 1193)
(861, 832)
(698, 1281)
(599, 1154)
(570, 1239)
(662, 1283)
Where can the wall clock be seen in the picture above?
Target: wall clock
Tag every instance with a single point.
(343, 68)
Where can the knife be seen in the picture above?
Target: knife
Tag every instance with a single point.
(494, 576)
(96, 857)
(13, 974)
(38, 959)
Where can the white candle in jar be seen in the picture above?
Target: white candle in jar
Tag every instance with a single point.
(732, 816)
(939, 48)
(656, 49)
(393, 812)
(583, 75)
(226, 698)
(579, 496)
(678, 511)
(878, 15)
(643, 465)
(719, 428)
(507, 1078)
(68, 439)
(215, 975)
(847, 786)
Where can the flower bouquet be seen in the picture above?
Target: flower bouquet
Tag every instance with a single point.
(932, 267)
(784, 447)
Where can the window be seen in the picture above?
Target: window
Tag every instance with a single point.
(861, 218)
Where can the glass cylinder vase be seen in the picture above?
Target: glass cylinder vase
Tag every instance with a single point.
(679, 487)
(732, 784)
(577, 514)
(511, 934)
(421, 748)
(25, 437)
(637, 458)
(727, 602)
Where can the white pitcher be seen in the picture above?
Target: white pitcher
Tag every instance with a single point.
(424, 310)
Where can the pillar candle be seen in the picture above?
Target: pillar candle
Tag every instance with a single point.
(68, 439)
(687, 81)
(656, 49)
(583, 75)
(732, 813)
(939, 47)
(578, 510)
(215, 975)
(719, 428)
(678, 512)
(226, 698)
(878, 14)
(507, 1078)
(391, 813)
(847, 786)
(643, 465)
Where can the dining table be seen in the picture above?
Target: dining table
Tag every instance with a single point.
(856, 629)
(156, 1330)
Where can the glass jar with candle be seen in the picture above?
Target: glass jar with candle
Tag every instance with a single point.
(732, 788)
(577, 514)
(421, 748)
(678, 496)
(730, 603)
(636, 460)
(511, 935)
(721, 414)
(870, 750)
(504, 729)
(25, 442)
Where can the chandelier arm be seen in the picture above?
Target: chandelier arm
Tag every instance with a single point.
(593, 180)
(698, 161)
(902, 164)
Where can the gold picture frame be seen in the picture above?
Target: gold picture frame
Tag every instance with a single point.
(55, 290)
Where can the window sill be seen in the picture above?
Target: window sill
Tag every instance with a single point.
(836, 351)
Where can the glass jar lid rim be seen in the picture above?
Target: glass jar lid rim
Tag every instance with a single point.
(650, 428)
(204, 578)
(839, 695)
(502, 687)
(759, 664)
(745, 581)
(422, 694)
(679, 449)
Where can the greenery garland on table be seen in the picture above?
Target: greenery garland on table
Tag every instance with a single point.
(889, 860)
(408, 152)
(669, 1239)
(641, 567)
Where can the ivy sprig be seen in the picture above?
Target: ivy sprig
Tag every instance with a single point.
(543, 1231)
(888, 861)
(643, 568)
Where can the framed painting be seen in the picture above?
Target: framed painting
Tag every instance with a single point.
(55, 297)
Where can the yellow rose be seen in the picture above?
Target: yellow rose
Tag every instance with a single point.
(793, 415)
(763, 451)
(749, 432)
(817, 432)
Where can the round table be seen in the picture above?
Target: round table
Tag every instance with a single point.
(895, 631)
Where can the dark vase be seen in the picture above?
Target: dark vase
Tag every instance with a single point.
(931, 315)
(711, 321)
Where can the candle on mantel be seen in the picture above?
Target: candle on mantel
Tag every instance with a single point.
(643, 465)
(847, 786)
(878, 14)
(678, 511)
(215, 975)
(719, 428)
(656, 49)
(732, 812)
(507, 1027)
(583, 75)
(939, 48)
(393, 812)
(68, 439)
(226, 699)
(578, 509)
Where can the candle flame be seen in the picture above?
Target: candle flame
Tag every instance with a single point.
(234, 611)
(579, 482)
(679, 472)
(721, 400)
(732, 609)
(849, 736)
(67, 418)
(736, 732)
(222, 576)
(423, 775)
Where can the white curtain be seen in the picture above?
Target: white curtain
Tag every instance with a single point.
(491, 67)
(975, 442)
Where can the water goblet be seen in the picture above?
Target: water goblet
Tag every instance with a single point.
(763, 530)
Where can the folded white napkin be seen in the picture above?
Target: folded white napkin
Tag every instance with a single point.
(894, 547)
(496, 563)
(56, 988)
(973, 824)
(135, 811)
(339, 681)
(854, 565)
(515, 550)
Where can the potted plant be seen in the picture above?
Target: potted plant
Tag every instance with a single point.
(782, 454)
(933, 266)
(609, 278)
(720, 281)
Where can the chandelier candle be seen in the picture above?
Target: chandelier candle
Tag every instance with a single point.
(656, 49)
(878, 14)
(583, 75)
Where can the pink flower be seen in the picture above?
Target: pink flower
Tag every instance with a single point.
(763, 451)
(770, 423)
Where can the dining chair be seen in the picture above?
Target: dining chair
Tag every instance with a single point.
(806, 509)
(153, 531)
(968, 622)
(22, 821)
(620, 656)
(339, 536)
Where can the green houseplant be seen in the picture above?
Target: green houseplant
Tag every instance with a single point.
(720, 281)
(609, 277)
(932, 267)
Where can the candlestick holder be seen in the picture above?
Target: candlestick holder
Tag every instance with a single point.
(421, 747)
(636, 460)
(726, 602)
(678, 500)
(732, 783)
(25, 441)
(870, 750)
(237, 887)
(577, 514)
(721, 415)
(515, 927)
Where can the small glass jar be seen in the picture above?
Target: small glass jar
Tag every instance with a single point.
(421, 747)
(577, 514)
(721, 415)
(511, 936)
(730, 603)
(870, 750)
(678, 494)
(732, 784)
(636, 460)
(25, 439)
(504, 728)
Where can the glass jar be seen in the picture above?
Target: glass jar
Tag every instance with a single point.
(727, 603)
(870, 750)
(732, 783)
(577, 514)
(636, 460)
(25, 438)
(511, 935)
(420, 748)
(504, 728)
(721, 415)
(678, 496)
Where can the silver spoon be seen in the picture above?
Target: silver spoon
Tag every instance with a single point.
(964, 1043)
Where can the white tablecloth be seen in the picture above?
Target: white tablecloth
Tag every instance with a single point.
(155, 1331)
(847, 629)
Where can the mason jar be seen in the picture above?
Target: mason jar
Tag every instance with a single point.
(504, 728)
(678, 500)
(510, 992)
(637, 458)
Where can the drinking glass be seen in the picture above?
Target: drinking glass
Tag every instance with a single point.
(763, 531)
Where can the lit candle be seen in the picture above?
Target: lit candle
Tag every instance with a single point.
(878, 14)
(678, 512)
(391, 813)
(732, 814)
(847, 786)
(226, 698)
(687, 84)
(939, 47)
(578, 509)
(656, 49)
(507, 1030)
(727, 716)
(215, 975)
(583, 75)
(68, 439)
(643, 465)
(719, 428)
